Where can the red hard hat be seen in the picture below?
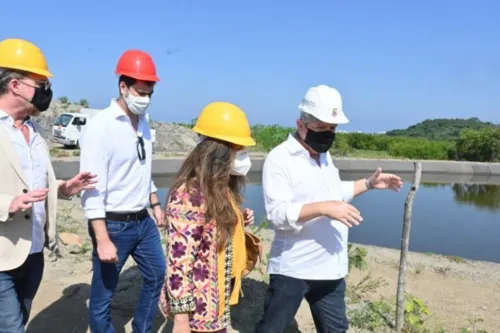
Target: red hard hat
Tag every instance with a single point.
(138, 65)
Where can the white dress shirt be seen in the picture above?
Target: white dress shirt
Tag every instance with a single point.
(109, 149)
(34, 162)
(312, 250)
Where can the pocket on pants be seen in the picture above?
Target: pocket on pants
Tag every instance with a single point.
(115, 227)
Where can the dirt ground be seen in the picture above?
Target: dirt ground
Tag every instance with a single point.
(455, 290)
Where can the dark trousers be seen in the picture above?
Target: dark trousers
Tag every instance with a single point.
(141, 240)
(283, 298)
(17, 290)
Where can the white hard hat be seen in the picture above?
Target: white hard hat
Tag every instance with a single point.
(324, 103)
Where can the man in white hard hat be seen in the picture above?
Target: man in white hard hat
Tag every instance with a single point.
(307, 203)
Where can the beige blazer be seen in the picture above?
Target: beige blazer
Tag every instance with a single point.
(16, 231)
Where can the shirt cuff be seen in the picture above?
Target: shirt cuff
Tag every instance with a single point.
(348, 190)
(292, 216)
(153, 187)
(97, 213)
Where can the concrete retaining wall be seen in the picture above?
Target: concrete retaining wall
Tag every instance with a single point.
(434, 167)
(65, 169)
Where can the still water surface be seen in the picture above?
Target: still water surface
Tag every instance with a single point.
(451, 219)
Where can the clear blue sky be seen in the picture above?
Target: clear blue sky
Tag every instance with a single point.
(395, 62)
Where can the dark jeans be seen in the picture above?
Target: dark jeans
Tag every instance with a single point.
(283, 298)
(141, 240)
(17, 290)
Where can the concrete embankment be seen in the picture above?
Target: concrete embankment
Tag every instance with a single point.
(434, 171)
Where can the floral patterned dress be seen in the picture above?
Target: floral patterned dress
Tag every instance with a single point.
(191, 282)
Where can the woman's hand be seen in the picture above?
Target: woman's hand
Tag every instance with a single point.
(248, 217)
(181, 324)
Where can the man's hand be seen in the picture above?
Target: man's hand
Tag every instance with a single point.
(159, 216)
(107, 251)
(382, 181)
(82, 181)
(25, 201)
(342, 212)
(249, 217)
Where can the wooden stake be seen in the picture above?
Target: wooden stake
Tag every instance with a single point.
(405, 241)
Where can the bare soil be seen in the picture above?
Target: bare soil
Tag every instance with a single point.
(455, 290)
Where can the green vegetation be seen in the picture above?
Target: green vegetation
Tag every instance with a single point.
(379, 315)
(361, 145)
(438, 139)
(83, 102)
(63, 99)
(441, 129)
(481, 145)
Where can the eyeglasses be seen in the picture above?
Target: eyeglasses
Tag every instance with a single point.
(141, 151)
(44, 85)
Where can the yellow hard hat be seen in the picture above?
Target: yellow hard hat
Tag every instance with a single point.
(226, 122)
(24, 56)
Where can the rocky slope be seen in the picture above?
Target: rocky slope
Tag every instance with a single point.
(169, 137)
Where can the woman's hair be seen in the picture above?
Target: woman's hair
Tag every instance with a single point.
(209, 167)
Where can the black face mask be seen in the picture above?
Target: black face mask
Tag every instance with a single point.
(320, 142)
(42, 98)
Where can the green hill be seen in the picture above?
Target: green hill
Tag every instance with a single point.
(441, 129)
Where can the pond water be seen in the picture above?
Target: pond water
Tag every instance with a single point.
(453, 219)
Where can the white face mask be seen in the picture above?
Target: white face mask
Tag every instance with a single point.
(242, 164)
(137, 104)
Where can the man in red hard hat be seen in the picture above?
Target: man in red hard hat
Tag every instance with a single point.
(117, 147)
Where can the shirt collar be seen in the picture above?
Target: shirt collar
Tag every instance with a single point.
(118, 113)
(295, 147)
(4, 114)
(116, 110)
(9, 120)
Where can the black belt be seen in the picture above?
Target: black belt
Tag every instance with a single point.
(127, 216)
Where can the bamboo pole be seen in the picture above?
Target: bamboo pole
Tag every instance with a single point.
(405, 241)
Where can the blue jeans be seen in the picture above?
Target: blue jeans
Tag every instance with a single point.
(141, 240)
(283, 298)
(17, 290)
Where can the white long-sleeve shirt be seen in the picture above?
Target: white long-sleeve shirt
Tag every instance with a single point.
(312, 250)
(34, 161)
(108, 148)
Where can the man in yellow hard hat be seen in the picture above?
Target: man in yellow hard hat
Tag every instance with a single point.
(29, 189)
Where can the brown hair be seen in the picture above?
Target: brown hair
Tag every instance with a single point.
(208, 167)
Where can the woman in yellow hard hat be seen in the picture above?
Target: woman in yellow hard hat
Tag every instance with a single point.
(205, 236)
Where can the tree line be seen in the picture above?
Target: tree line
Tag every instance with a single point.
(437, 139)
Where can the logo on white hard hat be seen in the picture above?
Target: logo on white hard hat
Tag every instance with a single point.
(335, 112)
(307, 102)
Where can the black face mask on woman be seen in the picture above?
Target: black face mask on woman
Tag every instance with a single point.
(319, 141)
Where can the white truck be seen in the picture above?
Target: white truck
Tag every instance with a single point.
(69, 126)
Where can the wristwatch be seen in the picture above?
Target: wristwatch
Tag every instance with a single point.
(368, 184)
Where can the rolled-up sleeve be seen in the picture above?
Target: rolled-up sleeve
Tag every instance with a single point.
(154, 189)
(281, 211)
(347, 190)
(94, 158)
